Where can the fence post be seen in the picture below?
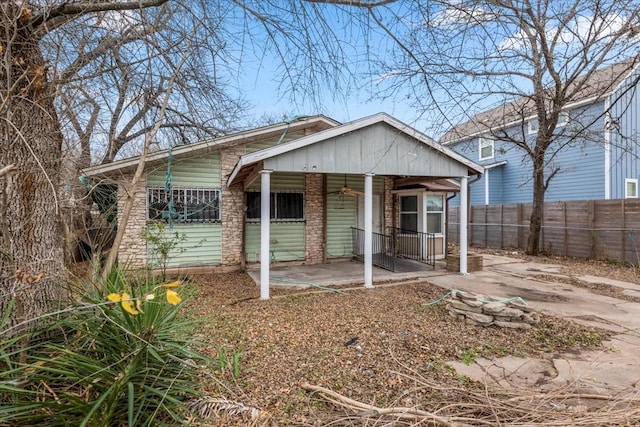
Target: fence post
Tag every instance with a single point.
(486, 227)
(519, 225)
(501, 227)
(590, 221)
(623, 206)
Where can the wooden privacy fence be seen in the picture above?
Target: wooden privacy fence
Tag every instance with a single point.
(599, 229)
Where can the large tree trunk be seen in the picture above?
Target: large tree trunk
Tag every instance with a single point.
(30, 232)
(537, 208)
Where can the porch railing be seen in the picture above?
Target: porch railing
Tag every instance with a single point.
(414, 245)
(382, 248)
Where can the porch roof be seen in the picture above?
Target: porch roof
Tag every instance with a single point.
(378, 144)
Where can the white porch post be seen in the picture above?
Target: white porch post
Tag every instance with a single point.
(368, 230)
(265, 222)
(464, 190)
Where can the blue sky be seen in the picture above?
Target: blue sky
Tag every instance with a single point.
(259, 77)
(442, 107)
(262, 90)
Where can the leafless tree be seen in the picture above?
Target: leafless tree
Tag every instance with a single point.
(454, 58)
(31, 75)
(105, 88)
(96, 73)
(110, 69)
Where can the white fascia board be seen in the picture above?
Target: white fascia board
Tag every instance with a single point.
(624, 81)
(276, 150)
(235, 171)
(205, 145)
(515, 122)
(432, 143)
(286, 147)
(495, 165)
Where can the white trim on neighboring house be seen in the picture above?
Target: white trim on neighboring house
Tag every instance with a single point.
(487, 168)
(492, 129)
(631, 194)
(486, 187)
(607, 134)
(607, 149)
(568, 107)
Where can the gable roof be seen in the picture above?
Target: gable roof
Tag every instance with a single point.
(378, 144)
(588, 89)
(264, 133)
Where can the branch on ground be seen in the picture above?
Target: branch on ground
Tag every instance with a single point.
(565, 406)
(7, 170)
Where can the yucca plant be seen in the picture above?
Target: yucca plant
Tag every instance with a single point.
(121, 356)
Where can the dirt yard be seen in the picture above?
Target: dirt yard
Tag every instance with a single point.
(384, 346)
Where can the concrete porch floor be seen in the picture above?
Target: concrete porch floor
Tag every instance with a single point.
(344, 273)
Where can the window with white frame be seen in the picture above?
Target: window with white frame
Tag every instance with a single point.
(631, 188)
(435, 214)
(183, 204)
(409, 213)
(563, 119)
(284, 206)
(486, 148)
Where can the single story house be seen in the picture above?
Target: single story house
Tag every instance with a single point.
(598, 162)
(310, 190)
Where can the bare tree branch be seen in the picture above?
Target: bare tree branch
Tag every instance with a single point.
(64, 13)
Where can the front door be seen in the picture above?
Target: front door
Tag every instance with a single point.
(377, 213)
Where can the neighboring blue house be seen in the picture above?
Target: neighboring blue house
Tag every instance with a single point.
(599, 163)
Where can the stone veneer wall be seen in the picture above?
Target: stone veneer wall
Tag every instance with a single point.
(314, 215)
(232, 209)
(388, 203)
(133, 249)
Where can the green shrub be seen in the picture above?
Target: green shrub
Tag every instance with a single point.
(104, 365)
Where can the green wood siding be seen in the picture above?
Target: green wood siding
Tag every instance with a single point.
(201, 247)
(281, 181)
(342, 212)
(287, 238)
(203, 243)
(196, 172)
(288, 136)
(287, 241)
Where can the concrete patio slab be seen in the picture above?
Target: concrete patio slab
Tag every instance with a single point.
(613, 368)
(508, 372)
(610, 282)
(341, 273)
